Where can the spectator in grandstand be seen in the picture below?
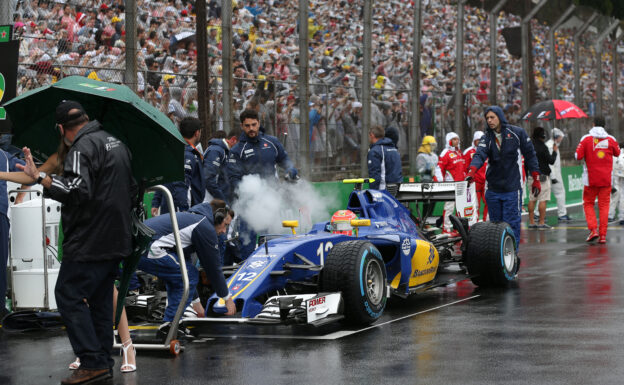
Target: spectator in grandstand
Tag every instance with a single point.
(556, 179)
(545, 159)
(503, 146)
(597, 149)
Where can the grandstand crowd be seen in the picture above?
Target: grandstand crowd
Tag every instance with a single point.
(87, 37)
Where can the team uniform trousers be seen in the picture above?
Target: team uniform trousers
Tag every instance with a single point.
(604, 197)
(84, 296)
(480, 189)
(505, 207)
(167, 269)
(558, 191)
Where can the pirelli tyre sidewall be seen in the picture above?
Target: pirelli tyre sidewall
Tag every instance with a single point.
(357, 270)
(491, 254)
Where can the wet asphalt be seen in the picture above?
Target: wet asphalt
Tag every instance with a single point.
(562, 322)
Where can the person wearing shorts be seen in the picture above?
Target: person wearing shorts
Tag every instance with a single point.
(545, 158)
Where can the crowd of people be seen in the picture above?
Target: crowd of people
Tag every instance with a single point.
(87, 37)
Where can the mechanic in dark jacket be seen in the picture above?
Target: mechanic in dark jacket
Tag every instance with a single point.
(255, 153)
(97, 191)
(199, 227)
(503, 146)
(215, 164)
(192, 190)
(544, 160)
(384, 161)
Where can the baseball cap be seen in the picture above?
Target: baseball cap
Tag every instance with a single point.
(62, 114)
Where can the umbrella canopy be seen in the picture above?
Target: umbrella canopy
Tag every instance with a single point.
(182, 37)
(156, 144)
(553, 110)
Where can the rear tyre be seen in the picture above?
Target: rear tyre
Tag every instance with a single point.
(356, 269)
(491, 254)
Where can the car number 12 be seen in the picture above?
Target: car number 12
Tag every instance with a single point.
(323, 249)
(246, 276)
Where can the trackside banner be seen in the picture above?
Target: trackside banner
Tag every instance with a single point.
(8, 79)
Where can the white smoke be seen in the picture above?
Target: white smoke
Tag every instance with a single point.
(265, 204)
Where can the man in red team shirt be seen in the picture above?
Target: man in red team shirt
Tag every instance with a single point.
(451, 167)
(597, 149)
(479, 177)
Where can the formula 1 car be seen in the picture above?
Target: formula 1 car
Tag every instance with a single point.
(327, 275)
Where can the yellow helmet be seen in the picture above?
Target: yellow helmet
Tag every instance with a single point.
(428, 145)
(428, 140)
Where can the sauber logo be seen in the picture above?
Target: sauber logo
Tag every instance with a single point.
(406, 246)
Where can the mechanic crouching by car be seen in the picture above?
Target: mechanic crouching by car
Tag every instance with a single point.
(255, 153)
(199, 227)
(384, 162)
(503, 146)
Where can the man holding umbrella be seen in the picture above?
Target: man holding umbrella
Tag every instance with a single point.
(96, 190)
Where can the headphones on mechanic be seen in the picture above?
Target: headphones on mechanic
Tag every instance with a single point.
(220, 215)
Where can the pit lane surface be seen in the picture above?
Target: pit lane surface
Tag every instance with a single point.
(561, 323)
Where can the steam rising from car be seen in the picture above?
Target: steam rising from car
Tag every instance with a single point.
(265, 204)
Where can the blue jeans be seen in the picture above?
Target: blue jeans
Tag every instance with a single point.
(505, 207)
(167, 269)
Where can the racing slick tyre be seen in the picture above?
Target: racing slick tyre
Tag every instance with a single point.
(491, 254)
(356, 269)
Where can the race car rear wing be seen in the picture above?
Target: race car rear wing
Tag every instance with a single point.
(463, 195)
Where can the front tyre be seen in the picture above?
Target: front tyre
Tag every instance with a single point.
(356, 269)
(491, 254)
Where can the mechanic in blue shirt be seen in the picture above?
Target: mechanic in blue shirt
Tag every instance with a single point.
(215, 162)
(8, 163)
(199, 227)
(503, 146)
(255, 153)
(191, 191)
(384, 161)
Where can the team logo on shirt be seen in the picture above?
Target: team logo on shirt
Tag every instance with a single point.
(600, 154)
(452, 155)
(601, 143)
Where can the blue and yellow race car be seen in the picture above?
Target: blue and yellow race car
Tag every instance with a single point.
(346, 269)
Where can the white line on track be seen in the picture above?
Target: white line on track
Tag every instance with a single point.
(346, 333)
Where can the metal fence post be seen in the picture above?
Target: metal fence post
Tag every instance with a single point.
(226, 64)
(493, 62)
(302, 85)
(553, 54)
(527, 43)
(599, 44)
(414, 131)
(366, 87)
(577, 72)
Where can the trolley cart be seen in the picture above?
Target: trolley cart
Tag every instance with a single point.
(171, 343)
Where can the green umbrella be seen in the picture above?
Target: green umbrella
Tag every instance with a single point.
(156, 144)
